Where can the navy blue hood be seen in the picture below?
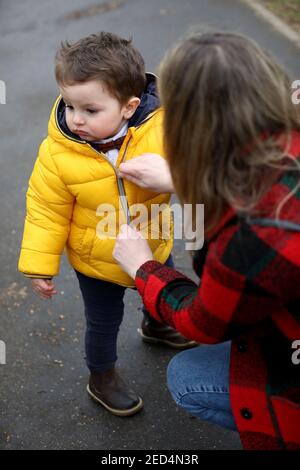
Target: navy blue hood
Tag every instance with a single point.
(149, 102)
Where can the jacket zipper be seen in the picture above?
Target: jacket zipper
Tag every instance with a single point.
(121, 189)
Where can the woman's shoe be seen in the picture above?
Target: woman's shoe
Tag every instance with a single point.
(153, 331)
(110, 390)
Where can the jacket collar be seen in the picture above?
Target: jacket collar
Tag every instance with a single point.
(149, 102)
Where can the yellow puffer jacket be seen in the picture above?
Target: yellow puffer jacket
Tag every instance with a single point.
(69, 182)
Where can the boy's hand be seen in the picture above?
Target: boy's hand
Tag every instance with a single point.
(44, 287)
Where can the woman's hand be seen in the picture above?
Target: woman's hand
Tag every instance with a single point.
(44, 287)
(131, 250)
(149, 171)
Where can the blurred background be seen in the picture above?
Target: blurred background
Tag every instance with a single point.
(43, 403)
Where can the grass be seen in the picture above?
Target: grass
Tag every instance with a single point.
(287, 10)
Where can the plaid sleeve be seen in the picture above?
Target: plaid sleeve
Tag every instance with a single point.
(202, 313)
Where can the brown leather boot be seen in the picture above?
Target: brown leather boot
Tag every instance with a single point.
(109, 389)
(153, 331)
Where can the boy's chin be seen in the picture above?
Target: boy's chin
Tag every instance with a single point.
(87, 138)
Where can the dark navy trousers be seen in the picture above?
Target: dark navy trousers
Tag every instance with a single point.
(104, 310)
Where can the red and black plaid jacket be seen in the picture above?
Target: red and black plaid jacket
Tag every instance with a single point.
(249, 293)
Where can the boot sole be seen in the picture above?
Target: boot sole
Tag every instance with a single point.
(116, 411)
(151, 339)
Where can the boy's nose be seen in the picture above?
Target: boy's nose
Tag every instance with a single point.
(78, 119)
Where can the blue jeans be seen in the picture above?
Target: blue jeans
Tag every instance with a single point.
(104, 310)
(198, 380)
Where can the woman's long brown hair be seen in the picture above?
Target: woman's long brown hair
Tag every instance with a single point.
(226, 101)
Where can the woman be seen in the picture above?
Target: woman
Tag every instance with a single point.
(232, 138)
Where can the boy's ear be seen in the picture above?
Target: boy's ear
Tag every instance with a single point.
(131, 106)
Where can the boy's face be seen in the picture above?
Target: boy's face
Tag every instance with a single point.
(93, 113)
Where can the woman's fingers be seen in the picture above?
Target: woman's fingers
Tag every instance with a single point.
(129, 169)
(131, 172)
(129, 233)
(129, 177)
(149, 171)
(131, 250)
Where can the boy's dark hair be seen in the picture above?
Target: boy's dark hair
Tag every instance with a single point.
(105, 57)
